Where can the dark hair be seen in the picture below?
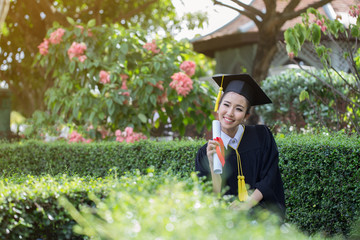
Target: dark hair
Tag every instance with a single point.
(247, 102)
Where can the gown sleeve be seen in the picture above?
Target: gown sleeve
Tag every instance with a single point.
(270, 183)
(202, 167)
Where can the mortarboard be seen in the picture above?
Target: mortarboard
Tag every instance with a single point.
(242, 84)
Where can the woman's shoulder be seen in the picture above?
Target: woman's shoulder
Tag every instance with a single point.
(262, 132)
(259, 129)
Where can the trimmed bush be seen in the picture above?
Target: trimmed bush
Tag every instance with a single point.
(137, 206)
(29, 208)
(95, 159)
(321, 173)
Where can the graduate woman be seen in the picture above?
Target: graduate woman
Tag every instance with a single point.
(250, 155)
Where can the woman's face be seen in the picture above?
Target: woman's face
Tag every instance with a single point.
(232, 112)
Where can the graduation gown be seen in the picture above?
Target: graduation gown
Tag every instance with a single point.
(259, 160)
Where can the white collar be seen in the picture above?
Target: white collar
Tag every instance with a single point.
(233, 142)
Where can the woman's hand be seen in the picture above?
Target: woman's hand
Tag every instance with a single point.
(239, 206)
(216, 178)
(210, 150)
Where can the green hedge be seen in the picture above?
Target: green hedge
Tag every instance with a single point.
(95, 159)
(136, 206)
(320, 173)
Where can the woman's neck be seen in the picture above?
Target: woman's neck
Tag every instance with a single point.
(231, 133)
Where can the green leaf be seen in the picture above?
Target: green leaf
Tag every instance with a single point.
(76, 112)
(124, 48)
(4, 30)
(142, 117)
(157, 123)
(157, 66)
(71, 21)
(111, 106)
(303, 95)
(355, 31)
(153, 99)
(291, 41)
(72, 66)
(316, 34)
(300, 33)
(91, 23)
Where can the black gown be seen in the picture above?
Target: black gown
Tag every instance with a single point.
(259, 159)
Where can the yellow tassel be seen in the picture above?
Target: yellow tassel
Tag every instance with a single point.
(219, 95)
(218, 99)
(243, 195)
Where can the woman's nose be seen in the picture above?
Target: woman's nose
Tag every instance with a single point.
(230, 112)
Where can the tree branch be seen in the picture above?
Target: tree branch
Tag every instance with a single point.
(345, 98)
(245, 13)
(270, 5)
(288, 12)
(249, 8)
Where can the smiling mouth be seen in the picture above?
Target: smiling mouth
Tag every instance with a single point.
(228, 120)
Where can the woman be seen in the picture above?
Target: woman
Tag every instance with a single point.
(251, 152)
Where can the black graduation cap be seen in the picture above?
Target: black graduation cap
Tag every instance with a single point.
(242, 84)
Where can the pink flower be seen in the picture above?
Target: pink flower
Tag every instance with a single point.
(129, 130)
(77, 137)
(104, 77)
(181, 83)
(291, 55)
(321, 24)
(77, 50)
(354, 11)
(89, 33)
(104, 133)
(118, 132)
(80, 27)
(124, 76)
(128, 135)
(44, 47)
(162, 98)
(82, 58)
(124, 87)
(158, 85)
(151, 46)
(56, 36)
(188, 67)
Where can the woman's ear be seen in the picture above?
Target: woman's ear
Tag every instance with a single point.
(247, 115)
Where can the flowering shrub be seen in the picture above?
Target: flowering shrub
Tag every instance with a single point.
(77, 137)
(104, 77)
(56, 36)
(77, 50)
(181, 83)
(115, 83)
(188, 67)
(44, 47)
(354, 11)
(152, 47)
(128, 135)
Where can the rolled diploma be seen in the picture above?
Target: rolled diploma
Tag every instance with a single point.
(216, 133)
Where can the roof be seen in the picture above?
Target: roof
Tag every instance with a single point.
(241, 30)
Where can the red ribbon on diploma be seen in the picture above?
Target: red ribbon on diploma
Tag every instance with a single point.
(220, 152)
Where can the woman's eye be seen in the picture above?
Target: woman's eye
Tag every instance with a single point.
(225, 104)
(239, 109)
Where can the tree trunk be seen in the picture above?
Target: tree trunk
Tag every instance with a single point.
(266, 50)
